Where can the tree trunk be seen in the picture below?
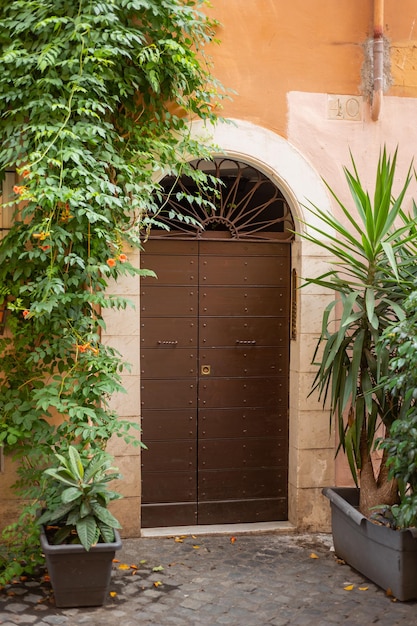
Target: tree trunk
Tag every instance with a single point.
(375, 490)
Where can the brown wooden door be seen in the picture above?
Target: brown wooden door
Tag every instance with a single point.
(215, 367)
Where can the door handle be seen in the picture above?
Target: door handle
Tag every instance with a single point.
(246, 343)
(167, 343)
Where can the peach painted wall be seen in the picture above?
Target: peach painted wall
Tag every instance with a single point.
(272, 47)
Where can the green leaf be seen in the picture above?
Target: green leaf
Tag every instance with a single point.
(105, 516)
(70, 494)
(87, 530)
(107, 533)
(75, 463)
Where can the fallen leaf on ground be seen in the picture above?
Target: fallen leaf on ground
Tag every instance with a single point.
(113, 594)
(313, 556)
(124, 566)
(232, 539)
(116, 561)
(363, 588)
(158, 568)
(348, 587)
(157, 583)
(196, 547)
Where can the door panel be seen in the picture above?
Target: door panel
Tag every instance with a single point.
(227, 331)
(245, 510)
(215, 363)
(164, 362)
(176, 394)
(169, 514)
(223, 453)
(256, 483)
(242, 392)
(250, 422)
(181, 489)
(244, 361)
(176, 302)
(173, 270)
(230, 301)
(156, 332)
(268, 270)
(166, 425)
(167, 456)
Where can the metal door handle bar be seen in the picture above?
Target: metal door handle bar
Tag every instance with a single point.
(251, 343)
(170, 343)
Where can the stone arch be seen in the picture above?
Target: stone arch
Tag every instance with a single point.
(311, 453)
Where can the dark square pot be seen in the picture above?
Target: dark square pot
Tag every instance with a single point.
(78, 577)
(387, 557)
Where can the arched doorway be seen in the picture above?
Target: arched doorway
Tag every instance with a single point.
(215, 332)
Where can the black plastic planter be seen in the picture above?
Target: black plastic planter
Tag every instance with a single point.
(78, 577)
(387, 557)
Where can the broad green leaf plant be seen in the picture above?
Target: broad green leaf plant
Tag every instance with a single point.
(401, 444)
(79, 496)
(95, 102)
(373, 272)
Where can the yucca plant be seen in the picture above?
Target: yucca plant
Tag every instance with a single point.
(374, 270)
(78, 497)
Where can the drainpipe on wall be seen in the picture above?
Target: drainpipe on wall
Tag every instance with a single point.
(378, 59)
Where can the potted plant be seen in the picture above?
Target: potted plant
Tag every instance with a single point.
(79, 535)
(373, 275)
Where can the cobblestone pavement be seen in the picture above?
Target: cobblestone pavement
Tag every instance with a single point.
(247, 580)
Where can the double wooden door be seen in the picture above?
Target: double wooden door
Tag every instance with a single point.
(214, 382)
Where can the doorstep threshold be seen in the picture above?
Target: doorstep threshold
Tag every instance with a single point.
(220, 529)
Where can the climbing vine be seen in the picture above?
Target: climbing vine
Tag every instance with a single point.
(95, 102)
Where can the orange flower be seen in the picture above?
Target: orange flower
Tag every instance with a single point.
(111, 262)
(26, 313)
(26, 173)
(43, 235)
(122, 258)
(18, 189)
(44, 248)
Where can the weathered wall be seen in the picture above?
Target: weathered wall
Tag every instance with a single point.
(270, 48)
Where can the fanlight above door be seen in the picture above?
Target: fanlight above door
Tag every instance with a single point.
(244, 204)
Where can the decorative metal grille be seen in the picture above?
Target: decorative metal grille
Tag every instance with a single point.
(244, 204)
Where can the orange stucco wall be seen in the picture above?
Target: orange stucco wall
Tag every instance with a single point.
(272, 47)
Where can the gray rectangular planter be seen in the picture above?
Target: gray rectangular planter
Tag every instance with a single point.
(387, 557)
(78, 577)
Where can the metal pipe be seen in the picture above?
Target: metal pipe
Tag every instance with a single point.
(378, 59)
